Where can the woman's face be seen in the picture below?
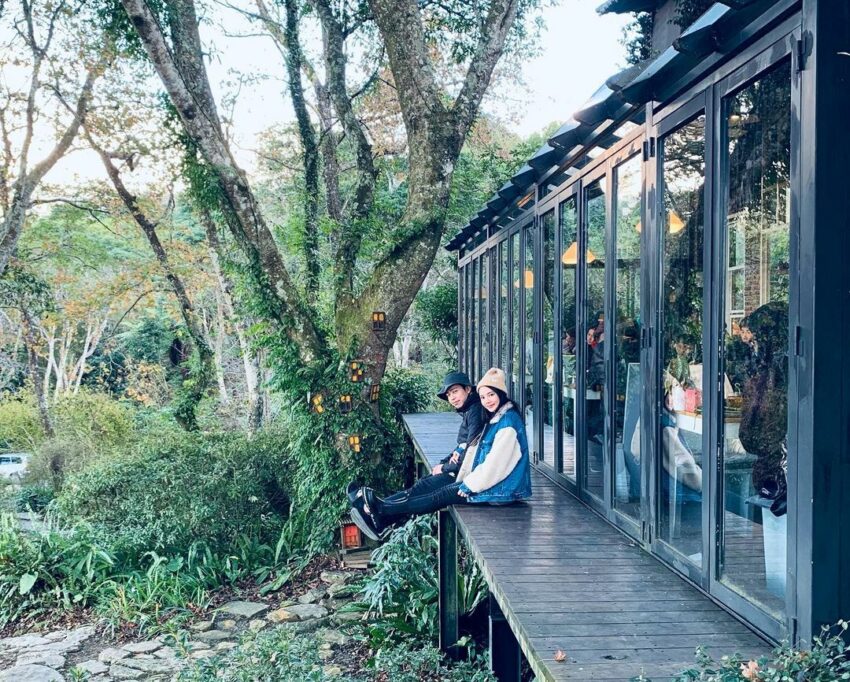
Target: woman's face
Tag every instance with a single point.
(489, 398)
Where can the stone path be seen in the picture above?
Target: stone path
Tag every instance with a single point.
(76, 654)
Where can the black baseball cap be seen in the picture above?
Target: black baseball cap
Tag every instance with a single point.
(453, 379)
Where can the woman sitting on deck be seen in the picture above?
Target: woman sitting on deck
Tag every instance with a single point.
(495, 469)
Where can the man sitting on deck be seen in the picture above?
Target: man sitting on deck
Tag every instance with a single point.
(495, 470)
(459, 392)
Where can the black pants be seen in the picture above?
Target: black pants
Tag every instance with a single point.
(428, 494)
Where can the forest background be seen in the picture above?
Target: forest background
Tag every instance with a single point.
(179, 327)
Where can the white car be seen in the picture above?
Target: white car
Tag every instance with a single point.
(13, 465)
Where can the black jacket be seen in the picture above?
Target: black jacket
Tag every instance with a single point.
(473, 421)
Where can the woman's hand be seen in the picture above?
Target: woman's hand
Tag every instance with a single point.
(455, 458)
(462, 494)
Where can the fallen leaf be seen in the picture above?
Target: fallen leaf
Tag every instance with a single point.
(560, 656)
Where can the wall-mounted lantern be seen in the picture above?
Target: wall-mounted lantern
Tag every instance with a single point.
(316, 403)
(345, 404)
(356, 371)
(379, 321)
(374, 393)
(354, 443)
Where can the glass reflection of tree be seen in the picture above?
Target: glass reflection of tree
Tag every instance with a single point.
(682, 222)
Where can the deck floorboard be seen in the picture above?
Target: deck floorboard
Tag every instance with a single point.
(567, 580)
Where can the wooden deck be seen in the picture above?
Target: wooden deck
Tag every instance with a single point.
(567, 580)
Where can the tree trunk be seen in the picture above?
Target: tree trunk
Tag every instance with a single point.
(34, 372)
(181, 69)
(250, 362)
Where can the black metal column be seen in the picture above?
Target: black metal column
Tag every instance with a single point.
(505, 654)
(447, 535)
(819, 475)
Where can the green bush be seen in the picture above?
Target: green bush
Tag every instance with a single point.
(403, 591)
(49, 568)
(54, 459)
(827, 660)
(409, 390)
(35, 497)
(94, 419)
(283, 654)
(169, 492)
(20, 426)
(438, 308)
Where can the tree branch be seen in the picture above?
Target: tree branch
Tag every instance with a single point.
(184, 77)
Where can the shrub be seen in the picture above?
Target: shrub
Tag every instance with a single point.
(20, 426)
(35, 497)
(93, 419)
(404, 589)
(438, 308)
(284, 654)
(49, 568)
(827, 660)
(53, 460)
(169, 492)
(409, 390)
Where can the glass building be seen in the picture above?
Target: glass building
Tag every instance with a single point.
(666, 284)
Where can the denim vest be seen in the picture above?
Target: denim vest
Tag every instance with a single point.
(517, 485)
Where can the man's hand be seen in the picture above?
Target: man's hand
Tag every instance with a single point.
(438, 469)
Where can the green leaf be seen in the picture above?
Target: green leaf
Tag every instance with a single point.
(27, 582)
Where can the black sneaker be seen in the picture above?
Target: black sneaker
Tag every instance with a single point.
(352, 490)
(365, 516)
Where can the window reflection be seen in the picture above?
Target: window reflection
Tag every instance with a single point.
(628, 396)
(529, 286)
(595, 305)
(484, 315)
(569, 271)
(516, 288)
(681, 424)
(757, 149)
(547, 223)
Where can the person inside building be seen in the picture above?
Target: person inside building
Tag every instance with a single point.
(495, 469)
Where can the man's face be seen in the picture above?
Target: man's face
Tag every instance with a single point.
(457, 395)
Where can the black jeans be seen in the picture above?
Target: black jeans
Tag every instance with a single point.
(428, 494)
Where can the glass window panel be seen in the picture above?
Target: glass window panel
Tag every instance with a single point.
(503, 305)
(569, 325)
(461, 341)
(516, 290)
(595, 200)
(628, 394)
(681, 422)
(757, 149)
(475, 290)
(529, 285)
(484, 315)
(547, 224)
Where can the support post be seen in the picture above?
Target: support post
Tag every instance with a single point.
(505, 654)
(449, 616)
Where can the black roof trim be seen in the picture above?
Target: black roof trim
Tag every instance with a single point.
(524, 177)
(544, 158)
(724, 26)
(624, 6)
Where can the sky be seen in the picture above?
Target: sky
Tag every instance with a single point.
(578, 50)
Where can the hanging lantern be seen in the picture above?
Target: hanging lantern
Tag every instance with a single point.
(374, 393)
(356, 371)
(345, 404)
(379, 321)
(316, 403)
(354, 443)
